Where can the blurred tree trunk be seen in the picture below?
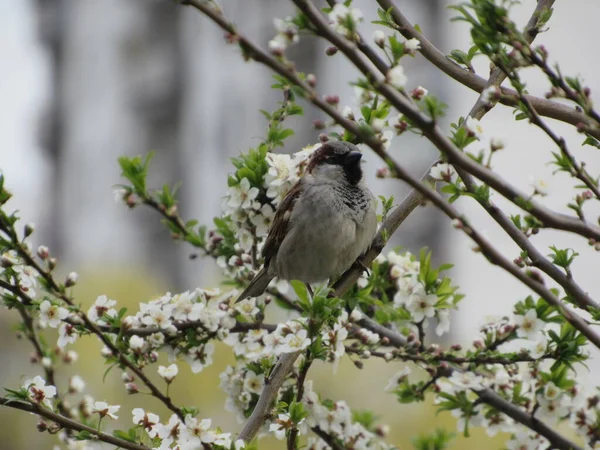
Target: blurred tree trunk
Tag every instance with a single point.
(115, 90)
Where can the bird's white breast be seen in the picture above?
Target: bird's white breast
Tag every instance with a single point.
(326, 232)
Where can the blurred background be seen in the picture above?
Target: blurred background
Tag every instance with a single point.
(85, 81)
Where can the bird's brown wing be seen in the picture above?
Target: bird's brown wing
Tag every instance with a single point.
(280, 222)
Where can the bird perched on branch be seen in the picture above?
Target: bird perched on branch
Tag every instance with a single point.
(324, 223)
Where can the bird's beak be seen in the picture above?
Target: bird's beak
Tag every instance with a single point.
(352, 158)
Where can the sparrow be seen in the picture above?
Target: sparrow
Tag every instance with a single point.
(323, 224)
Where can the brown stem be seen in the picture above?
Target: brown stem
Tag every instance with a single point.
(486, 395)
(70, 424)
(329, 439)
(432, 131)
(60, 293)
(547, 108)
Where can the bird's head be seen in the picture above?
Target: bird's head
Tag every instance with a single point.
(337, 161)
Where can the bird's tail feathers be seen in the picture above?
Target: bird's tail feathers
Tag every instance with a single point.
(257, 286)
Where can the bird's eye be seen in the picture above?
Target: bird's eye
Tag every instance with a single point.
(335, 159)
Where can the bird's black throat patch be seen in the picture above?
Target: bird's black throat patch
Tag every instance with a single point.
(353, 172)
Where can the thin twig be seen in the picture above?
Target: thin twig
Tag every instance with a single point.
(60, 293)
(547, 108)
(70, 424)
(432, 131)
(478, 359)
(293, 436)
(329, 439)
(487, 395)
(422, 191)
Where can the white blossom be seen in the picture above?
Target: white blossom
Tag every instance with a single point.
(294, 342)
(276, 46)
(281, 425)
(67, 334)
(396, 77)
(443, 172)
(466, 380)
(136, 343)
(529, 326)
(242, 195)
(412, 45)
(253, 382)
(379, 38)
(200, 357)
(76, 384)
(38, 392)
(103, 305)
(104, 410)
(539, 186)
(398, 378)
(149, 421)
(551, 410)
(474, 126)
(443, 317)
(408, 288)
(168, 373)
(345, 19)
(490, 93)
(422, 306)
(51, 314)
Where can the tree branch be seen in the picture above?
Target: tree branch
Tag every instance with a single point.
(416, 197)
(487, 395)
(70, 424)
(430, 130)
(547, 108)
(59, 292)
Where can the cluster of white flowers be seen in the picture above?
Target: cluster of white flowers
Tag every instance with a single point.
(188, 435)
(211, 310)
(244, 383)
(532, 329)
(337, 422)
(411, 295)
(288, 337)
(24, 276)
(543, 398)
(242, 386)
(396, 77)
(443, 172)
(345, 19)
(287, 34)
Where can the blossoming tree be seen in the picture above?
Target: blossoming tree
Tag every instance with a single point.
(519, 376)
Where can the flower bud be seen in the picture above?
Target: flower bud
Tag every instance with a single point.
(311, 79)
(71, 279)
(29, 229)
(332, 99)
(330, 51)
(43, 252)
(318, 124)
(383, 172)
(42, 426)
(382, 430)
(131, 388)
(379, 38)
